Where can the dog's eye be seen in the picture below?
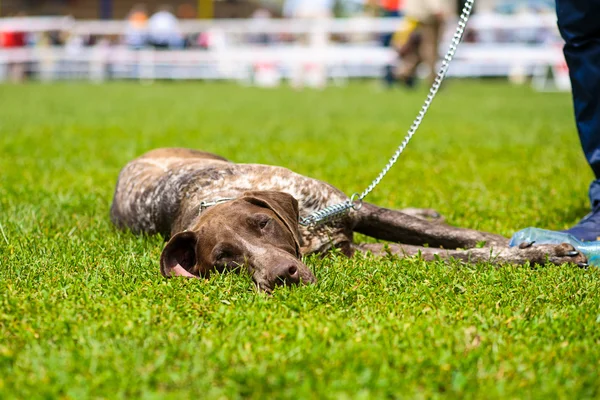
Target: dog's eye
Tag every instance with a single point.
(263, 220)
(223, 255)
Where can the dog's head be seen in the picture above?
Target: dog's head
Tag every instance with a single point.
(257, 232)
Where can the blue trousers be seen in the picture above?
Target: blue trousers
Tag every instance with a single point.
(579, 25)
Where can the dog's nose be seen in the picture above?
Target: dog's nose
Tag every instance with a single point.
(288, 274)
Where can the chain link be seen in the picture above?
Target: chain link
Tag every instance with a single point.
(337, 210)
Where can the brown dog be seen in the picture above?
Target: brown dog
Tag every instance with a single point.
(219, 215)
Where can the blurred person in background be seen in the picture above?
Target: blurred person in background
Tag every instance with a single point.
(163, 29)
(136, 31)
(12, 38)
(424, 26)
(579, 25)
(389, 9)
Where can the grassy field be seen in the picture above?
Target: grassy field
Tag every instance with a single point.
(85, 313)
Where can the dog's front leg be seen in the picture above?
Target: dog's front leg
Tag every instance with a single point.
(538, 255)
(395, 226)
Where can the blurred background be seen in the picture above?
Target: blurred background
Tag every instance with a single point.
(308, 43)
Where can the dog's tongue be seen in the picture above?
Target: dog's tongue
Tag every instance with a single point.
(178, 270)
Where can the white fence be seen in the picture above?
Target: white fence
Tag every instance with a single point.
(521, 45)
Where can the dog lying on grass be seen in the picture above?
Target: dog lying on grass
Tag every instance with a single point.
(252, 223)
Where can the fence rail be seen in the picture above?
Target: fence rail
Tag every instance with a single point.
(524, 44)
(340, 25)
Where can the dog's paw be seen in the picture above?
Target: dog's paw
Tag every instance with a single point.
(558, 254)
(428, 214)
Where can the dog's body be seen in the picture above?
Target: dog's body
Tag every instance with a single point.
(162, 192)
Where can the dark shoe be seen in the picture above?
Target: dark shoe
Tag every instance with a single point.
(409, 81)
(588, 229)
(388, 76)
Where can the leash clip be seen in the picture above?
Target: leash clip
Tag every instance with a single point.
(205, 204)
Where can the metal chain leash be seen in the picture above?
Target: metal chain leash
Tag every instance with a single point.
(335, 211)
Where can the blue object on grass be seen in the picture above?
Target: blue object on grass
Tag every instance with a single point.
(543, 236)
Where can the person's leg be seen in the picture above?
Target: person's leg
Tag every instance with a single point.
(579, 24)
(409, 61)
(431, 49)
(410, 52)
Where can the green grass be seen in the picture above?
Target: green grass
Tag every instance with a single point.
(85, 313)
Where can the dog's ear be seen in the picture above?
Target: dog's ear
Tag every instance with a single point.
(284, 205)
(178, 258)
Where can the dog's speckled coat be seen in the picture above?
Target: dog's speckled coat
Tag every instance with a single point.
(161, 192)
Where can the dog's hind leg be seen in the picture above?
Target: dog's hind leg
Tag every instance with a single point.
(538, 255)
(396, 226)
(428, 214)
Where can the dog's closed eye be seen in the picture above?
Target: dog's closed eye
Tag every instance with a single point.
(224, 253)
(226, 259)
(261, 220)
